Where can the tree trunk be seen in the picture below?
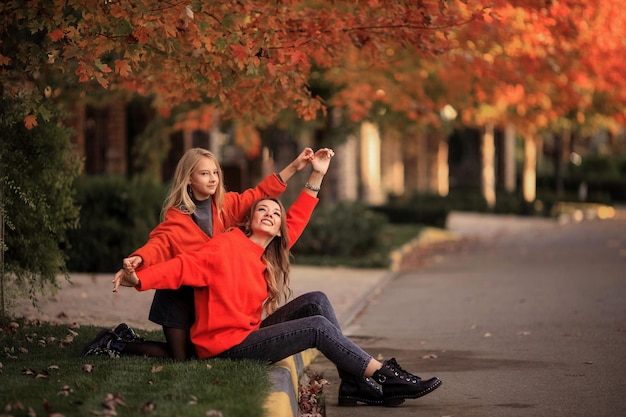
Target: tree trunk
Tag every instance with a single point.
(443, 171)
(560, 154)
(346, 169)
(370, 164)
(438, 178)
(509, 173)
(422, 162)
(488, 177)
(391, 162)
(529, 176)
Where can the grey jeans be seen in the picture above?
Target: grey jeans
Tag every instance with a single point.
(307, 321)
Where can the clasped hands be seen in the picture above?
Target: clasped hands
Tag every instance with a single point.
(125, 278)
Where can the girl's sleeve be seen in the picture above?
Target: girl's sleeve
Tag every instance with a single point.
(298, 215)
(194, 269)
(176, 234)
(237, 204)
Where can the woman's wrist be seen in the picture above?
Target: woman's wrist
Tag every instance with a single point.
(312, 187)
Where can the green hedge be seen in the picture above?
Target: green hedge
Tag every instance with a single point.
(348, 229)
(116, 217)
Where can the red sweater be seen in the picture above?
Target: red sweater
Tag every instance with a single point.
(228, 276)
(178, 233)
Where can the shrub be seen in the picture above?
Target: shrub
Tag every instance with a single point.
(116, 218)
(348, 229)
(37, 208)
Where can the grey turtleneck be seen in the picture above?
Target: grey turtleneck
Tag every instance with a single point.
(203, 216)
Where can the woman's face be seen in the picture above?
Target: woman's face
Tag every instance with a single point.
(204, 179)
(267, 218)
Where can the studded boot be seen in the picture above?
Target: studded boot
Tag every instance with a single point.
(354, 389)
(127, 334)
(398, 384)
(105, 343)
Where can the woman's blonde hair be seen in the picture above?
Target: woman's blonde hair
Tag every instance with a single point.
(276, 258)
(180, 190)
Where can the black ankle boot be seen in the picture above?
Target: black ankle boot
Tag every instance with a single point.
(354, 389)
(398, 383)
(127, 334)
(105, 343)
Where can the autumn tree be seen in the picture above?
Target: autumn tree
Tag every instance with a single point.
(247, 57)
(541, 67)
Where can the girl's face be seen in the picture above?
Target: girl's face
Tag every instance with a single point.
(204, 179)
(266, 218)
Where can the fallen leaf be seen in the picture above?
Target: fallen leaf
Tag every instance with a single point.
(214, 413)
(157, 368)
(119, 400)
(87, 367)
(487, 334)
(109, 402)
(73, 326)
(430, 356)
(148, 407)
(53, 368)
(524, 333)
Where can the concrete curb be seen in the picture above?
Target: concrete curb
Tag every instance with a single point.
(285, 377)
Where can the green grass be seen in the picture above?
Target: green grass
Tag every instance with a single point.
(392, 237)
(40, 372)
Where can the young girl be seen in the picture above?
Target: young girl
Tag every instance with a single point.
(244, 273)
(196, 209)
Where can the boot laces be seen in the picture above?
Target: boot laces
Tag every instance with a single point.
(401, 373)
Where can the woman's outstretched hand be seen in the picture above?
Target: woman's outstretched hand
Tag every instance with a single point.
(125, 279)
(321, 161)
(305, 157)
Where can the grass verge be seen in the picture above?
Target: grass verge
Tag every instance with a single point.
(392, 237)
(41, 373)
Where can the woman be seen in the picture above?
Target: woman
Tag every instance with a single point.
(243, 274)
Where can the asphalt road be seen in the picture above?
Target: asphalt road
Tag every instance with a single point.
(527, 322)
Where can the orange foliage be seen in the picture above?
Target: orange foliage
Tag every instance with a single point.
(250, 59)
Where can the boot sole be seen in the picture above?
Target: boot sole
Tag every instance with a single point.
(416, 395)
(352, 402)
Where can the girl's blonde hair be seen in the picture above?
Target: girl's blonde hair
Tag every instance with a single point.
(276, 258)
(180, 190)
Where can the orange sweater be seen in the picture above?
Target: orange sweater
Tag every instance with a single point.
(228, 276)
(178, 233)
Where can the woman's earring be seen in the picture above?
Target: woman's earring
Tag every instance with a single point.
(189, 191)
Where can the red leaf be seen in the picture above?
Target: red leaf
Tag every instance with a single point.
(30, 121)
